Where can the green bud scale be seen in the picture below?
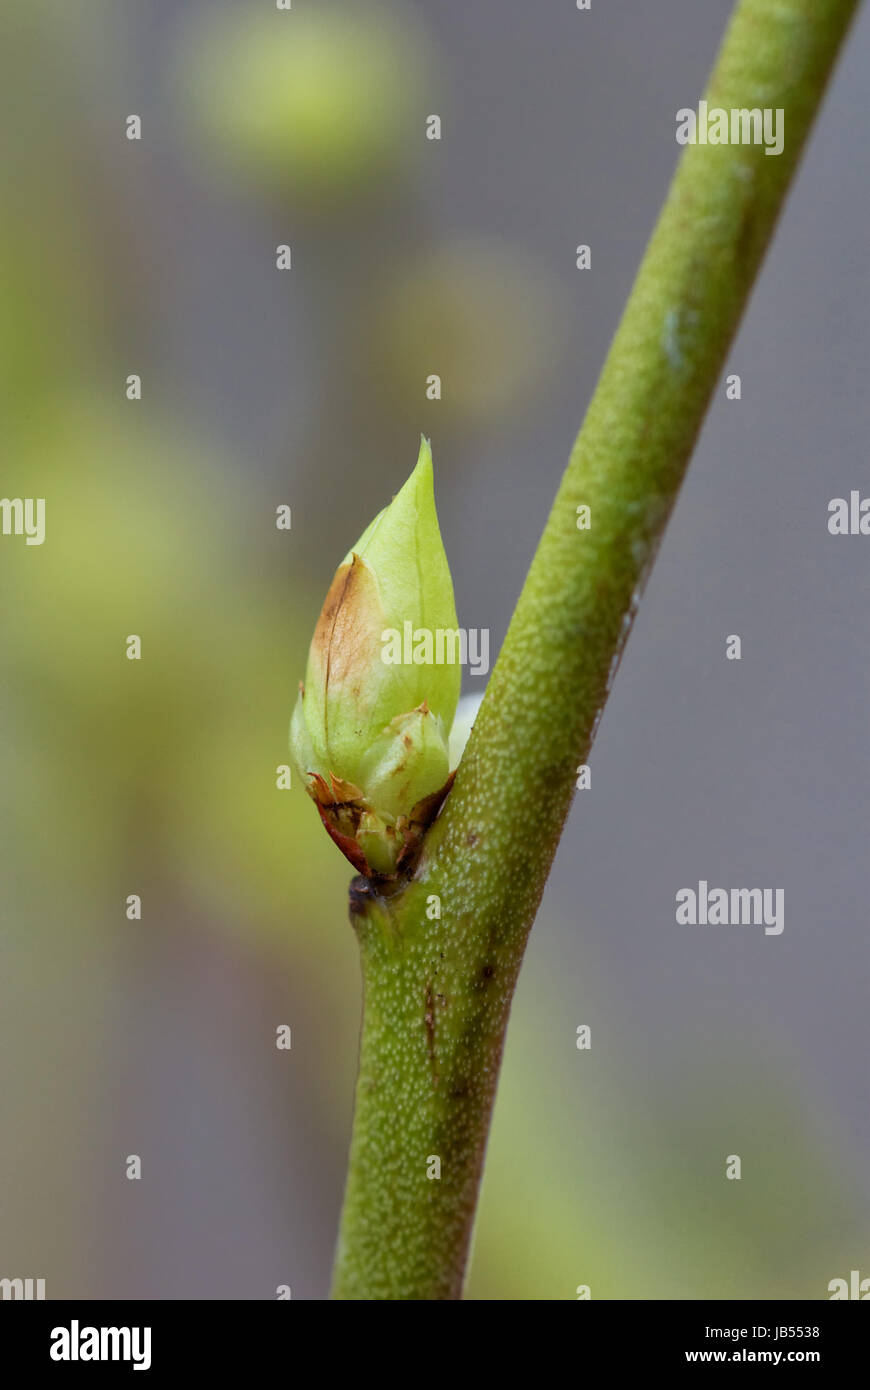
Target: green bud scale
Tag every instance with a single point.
(370, 736)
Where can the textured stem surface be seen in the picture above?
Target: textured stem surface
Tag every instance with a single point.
(438, 989)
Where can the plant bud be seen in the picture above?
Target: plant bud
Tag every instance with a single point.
(370, 729)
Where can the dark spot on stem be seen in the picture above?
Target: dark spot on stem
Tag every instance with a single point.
(361, 893)
(429, 1020)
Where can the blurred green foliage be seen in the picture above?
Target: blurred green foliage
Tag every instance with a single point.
(315, 104)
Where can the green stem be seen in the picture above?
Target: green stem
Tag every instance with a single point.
(438, 989)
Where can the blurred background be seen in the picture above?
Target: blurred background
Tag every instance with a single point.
(307, 388)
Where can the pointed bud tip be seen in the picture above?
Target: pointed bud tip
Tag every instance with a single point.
(418, 490)
(424, 457)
